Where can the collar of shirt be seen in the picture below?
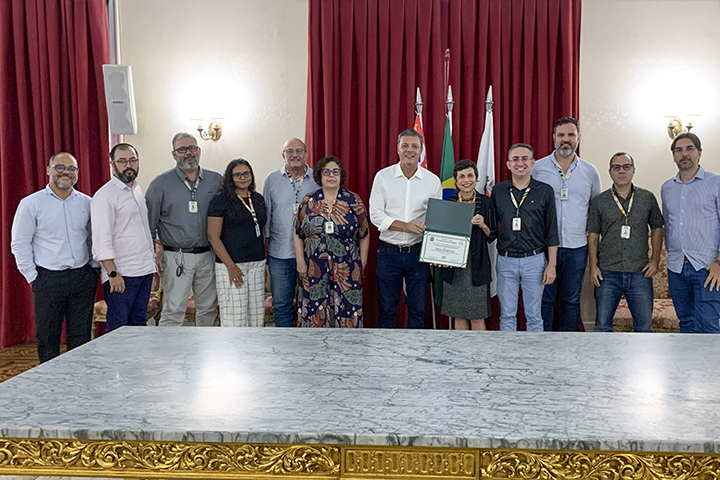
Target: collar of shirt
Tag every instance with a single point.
(399, 173)
(122, 185)
(700, 174)
(283, 171)
(49, 191)
(182, 175)
(573, 165)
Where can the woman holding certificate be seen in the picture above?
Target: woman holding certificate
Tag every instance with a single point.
(466, 291)
(235, 225)
(331, 249)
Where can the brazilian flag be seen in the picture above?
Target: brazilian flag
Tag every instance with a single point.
(448, 162)
(448, 186)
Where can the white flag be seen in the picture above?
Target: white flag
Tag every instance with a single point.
(486, 176)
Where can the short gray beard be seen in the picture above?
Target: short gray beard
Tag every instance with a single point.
(566, 152)
(189, 166)
(59, 187)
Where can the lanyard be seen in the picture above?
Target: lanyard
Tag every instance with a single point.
(192, 189)
(250, 207)
(292, 185)
(622, 210)
(517, 207)
(562, 175)
(329, 207)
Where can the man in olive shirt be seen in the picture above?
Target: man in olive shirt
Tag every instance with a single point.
(178, 202)
(617, 227)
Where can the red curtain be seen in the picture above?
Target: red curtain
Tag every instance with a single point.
(51, 100)
(367, 57)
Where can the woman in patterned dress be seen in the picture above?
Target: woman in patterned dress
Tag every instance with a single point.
(331, 249)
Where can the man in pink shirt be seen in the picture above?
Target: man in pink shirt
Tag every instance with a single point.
(121, 241)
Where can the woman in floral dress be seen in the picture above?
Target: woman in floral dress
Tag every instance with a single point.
(331, 249)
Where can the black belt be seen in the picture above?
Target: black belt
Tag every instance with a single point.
(400, 248)
(520, 254)
(187, 250)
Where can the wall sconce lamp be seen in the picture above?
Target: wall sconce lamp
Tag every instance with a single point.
(212, 132)
(675, 126)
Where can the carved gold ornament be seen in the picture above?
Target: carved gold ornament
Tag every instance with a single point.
(112, 458)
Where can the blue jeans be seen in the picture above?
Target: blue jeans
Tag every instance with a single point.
(129, 307)
(570, 269)
(638, 292)
(392, 267)
(283, 283)
(696, 306)
(513, 273)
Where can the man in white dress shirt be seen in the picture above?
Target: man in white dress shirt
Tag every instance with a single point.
(122, 242)
(398, 203)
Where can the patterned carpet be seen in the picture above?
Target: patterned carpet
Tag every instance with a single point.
(18, 358)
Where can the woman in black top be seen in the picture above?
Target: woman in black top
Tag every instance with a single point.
(466, 291)
(236, 225)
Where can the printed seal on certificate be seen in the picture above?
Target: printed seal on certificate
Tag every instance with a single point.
(445, 249)
(448, 227)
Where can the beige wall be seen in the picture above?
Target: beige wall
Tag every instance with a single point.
(640, 60)
(245, 58)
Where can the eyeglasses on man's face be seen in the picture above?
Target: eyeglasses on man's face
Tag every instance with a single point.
(61, 168)
(335, 172)
(130, 161)
(688, 149)
(519, 159)
(184, 150)
(290, 151)
(626, 166)
(247, 174)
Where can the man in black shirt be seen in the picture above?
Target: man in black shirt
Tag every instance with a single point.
(527, 229)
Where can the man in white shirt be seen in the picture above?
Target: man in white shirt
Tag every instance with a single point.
(122, 242)
(398, 203)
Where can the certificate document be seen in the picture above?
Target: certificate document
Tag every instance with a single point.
(446, 239)
(445, 249)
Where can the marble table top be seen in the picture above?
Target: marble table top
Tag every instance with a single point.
(592, 391)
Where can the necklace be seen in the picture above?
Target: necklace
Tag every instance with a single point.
(467, 200)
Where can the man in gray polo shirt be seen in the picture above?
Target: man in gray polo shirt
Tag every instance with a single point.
(283, 190)
(617, 226)
(178, 202)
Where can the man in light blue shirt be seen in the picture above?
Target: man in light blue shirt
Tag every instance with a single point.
(51, 244)
(575, 183)
(691, 207)
(283, 190)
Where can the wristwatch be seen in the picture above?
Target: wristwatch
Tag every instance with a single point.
(112, 274)
(717, 260)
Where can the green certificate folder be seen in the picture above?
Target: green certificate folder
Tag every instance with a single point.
(446, 239)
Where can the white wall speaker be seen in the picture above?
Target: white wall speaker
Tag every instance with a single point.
(120, 99)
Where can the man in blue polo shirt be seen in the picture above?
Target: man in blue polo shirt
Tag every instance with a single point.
(575, 183)
(691, 207)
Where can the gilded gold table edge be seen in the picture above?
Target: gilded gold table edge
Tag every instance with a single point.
(202, 460)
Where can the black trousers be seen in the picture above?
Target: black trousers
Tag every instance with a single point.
(65, 294)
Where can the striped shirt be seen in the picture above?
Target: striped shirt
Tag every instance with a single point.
(692, 220)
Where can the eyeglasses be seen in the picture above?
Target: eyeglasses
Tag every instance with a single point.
(247, 174)
(688, 149)
(335, 172)
(61, 168)
(184, 150)
(290, 151)
(520, 159)
(130, 161)
(626, 166)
